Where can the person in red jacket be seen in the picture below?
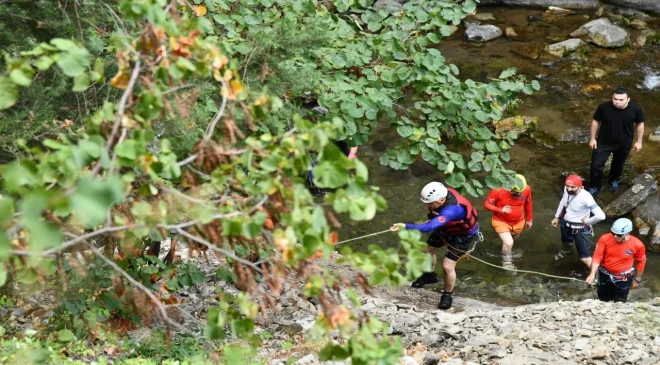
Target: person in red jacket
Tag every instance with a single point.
(512, 211)
(613, 261)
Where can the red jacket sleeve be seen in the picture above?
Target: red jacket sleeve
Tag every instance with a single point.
(528, 205)
(491, 201)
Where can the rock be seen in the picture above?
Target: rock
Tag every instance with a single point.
(655, 136)
(642, 188)
(484, 16)
(638, 24)
(643, 37)
(527, 50)
(559, 315)
(391, 6)
(408, 360)
(518, 20)
(450, 318)
(656, 341)
(597, 73)
(603, 33)
(497, 352)
(510, 32)
(633, 357)
(563, 48)
(645, 5)
(482, 33)
(307, 360)
(569, 4)
(516, 126)
(581, 344)
(553, 13)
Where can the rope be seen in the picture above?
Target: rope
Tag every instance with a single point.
(361, 237)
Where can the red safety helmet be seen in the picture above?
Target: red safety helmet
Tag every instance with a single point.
(574, 180)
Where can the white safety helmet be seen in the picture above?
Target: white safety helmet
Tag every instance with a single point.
(622, 226)
(433, 191)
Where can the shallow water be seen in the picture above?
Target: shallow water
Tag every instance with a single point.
(564, 106)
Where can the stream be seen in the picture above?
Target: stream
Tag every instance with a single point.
(565, 105)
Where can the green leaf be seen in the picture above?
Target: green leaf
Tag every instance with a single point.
(456, 180)
(3, 278)
(65, 335)
(80, 82)
(21, 76)
(8, 93)
(536, 85)
(493, 182)
(507, 73)
(126, 150)
(434, 37)
(74, 62)
(92, 199)
(6, 209)
(492, 146)
(405, 130)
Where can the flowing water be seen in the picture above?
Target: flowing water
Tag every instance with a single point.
(565, 105)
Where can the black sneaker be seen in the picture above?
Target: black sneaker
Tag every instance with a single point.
(594, 191)
(445, 301)
(425, 279)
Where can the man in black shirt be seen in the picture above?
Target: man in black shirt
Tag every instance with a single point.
(614, 121)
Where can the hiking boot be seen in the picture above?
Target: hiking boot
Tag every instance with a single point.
(425, 279)
(508, 265)
(594, 191)
(614, 185)
(445, 301)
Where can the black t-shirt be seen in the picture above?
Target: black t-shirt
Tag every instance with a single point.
(616, 125)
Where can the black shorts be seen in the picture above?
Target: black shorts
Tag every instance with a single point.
(457, 246)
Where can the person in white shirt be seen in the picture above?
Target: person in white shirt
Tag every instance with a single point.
(574, 219)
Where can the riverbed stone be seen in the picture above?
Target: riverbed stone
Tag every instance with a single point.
(482, 33)
(568, 4)
(527, 49)
(655, 136)
(603, 33)
(562, 48)
(643, 187)
(645, 5)
(643, 36)
(638, 24)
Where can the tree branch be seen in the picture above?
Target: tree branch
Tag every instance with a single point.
(156, 301)
(218, 115)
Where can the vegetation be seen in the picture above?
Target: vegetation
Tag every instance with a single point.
(137, 120)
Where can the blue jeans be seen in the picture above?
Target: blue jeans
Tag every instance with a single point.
(581, 237)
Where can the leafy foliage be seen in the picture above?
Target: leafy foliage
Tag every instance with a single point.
(205, 133)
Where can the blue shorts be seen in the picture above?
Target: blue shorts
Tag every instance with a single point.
(581, 237)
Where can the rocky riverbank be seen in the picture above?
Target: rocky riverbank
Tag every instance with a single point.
(475, 332)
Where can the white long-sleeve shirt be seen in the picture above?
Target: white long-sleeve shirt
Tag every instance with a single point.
(579, 206)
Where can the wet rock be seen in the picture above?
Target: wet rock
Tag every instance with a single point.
(482, 33)
(484, 16)
(510, 32)
(561, 49)
(603, 33)
(638, 24)
(307, 360)
(544, 139)
(497, 353)
(645, 5)
(515, 126)
(518, 20)
(553, 13)
(643, 37)
(569, 4)
(655, 136)
(527, 50)
(642, 188)
(390, 6)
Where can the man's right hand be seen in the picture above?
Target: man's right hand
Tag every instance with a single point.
(397, 226)
(593, 144)
(555, 222)
(506, 209)
(590, 279)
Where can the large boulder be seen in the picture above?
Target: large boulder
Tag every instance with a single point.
(482, 33)
(603, 33)
(647, 215)
(563, 48)
(570, 4)
(515, 126)
(643, 187)
(646, 5)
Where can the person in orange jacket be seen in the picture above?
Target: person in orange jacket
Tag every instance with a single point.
(512, 211)
(613, 262)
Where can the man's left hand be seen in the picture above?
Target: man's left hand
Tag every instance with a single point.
(635, 284)
(637, 146)
(397, 226)
(528, 224)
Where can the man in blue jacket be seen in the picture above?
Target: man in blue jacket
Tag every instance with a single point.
(453, 221)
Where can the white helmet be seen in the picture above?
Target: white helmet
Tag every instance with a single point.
(433, 191)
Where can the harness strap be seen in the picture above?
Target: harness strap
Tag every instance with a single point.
(622, 276)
